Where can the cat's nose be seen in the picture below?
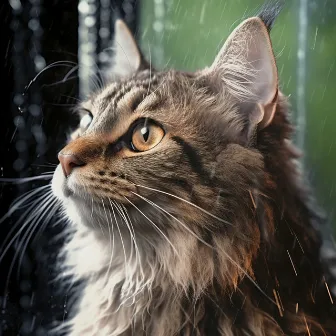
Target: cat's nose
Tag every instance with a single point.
(69, 162)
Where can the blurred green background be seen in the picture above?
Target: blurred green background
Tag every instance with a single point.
(187, 34)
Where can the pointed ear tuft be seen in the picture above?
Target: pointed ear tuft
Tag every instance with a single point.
(127, 55)
(270, 12)
(246, 67)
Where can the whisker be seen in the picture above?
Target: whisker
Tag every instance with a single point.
(32, 216)
(70, 73)
(25, 240)
(188, 202)
(230, 259)
(21, 200)
(150, 71)
(130, 280)
(21, 218)
(21, 180)
(62, 81)
(32, 205)
(60, 235)
(122, 214)
(109, 299)
(118, 228)
(49, 165)
(51, 173)
(48, 208)
(71, 97)
(56, 208)
(249, 277)
(169, 214)
(134, 238)
(163, 234)
(109, 220)
(4, 303)
(50, 66)
(101, 227)
(139, 284)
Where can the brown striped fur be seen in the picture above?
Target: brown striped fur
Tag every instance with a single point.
(210, 233)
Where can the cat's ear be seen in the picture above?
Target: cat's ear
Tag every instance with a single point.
(127, 57)
(246, 67)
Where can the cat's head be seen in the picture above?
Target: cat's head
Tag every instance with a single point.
(169, 149)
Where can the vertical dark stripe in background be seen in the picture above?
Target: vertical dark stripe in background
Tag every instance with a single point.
(34, 33)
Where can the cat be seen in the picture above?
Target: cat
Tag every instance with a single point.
(187, 209)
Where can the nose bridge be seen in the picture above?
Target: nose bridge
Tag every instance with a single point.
(85, 148)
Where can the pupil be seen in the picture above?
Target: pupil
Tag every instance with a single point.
(145, 133)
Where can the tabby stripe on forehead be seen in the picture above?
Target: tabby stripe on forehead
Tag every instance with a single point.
(127, 88)
(102, 101)
(110, 91)
(133, 97)
(140, 96)
(122, 89)
(194, 159)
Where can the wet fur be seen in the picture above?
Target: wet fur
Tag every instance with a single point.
(257, 271)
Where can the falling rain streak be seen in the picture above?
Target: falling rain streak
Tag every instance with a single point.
(95, 32)
(301, 72)
(87, 45)
(32, 25)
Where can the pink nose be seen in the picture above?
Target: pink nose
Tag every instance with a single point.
(69, 162)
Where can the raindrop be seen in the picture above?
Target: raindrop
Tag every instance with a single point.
(83, 7)
(38, 133)
(33, 24)
(18, 164)
(104, 33)
(26, 326)
(20, 146)
(15, 4)
(25, 301)
(41, 332)
(90, 21)
(34, 110)
(19, 122)
(158, 26)
(18, 99)
(25, 286)
(40, 63)
(127, 7)
(103, 57)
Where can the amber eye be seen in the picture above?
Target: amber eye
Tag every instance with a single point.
(146, 135)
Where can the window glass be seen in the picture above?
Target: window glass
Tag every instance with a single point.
(187, 35)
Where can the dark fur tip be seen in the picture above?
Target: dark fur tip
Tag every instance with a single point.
(270, 11)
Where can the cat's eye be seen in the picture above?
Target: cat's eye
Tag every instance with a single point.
(146, 135)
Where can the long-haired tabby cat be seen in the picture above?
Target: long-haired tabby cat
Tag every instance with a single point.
(188, 213)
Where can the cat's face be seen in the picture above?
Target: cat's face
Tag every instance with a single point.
(150, 131)
(165, 145)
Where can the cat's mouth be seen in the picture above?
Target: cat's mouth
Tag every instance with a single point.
(73, 188)
(65, 187)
